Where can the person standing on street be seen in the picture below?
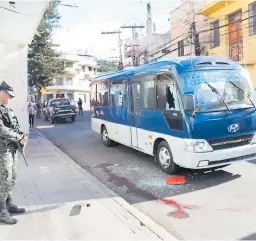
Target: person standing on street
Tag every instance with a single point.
(31, 114)
(9, 129)
(80, 106)
(39, 110)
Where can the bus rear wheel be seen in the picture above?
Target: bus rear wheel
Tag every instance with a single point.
(105, 138)
(165, 159)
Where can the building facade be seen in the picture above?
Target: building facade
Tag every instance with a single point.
(16, 32)
(181, 20)
(75, 83)
(232, 31)
(148, 49)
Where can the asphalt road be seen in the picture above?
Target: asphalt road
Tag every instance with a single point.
(211, 205)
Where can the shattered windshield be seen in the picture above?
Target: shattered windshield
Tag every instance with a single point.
(235, 88)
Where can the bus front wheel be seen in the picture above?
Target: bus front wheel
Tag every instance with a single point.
(105, 138)
(165, 159)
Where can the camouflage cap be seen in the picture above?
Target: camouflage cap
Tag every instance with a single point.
(7, 88)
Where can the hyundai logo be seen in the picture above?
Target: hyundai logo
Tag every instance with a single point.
(233, 128)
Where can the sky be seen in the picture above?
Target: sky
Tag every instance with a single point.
(81, 27)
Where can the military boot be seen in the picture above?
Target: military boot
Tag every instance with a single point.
(13, 209)
(5, 216)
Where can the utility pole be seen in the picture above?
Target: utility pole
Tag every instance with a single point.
(133, 27)
(194, 35)
(119, 45)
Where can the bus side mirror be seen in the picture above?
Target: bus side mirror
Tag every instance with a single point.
(189, 103)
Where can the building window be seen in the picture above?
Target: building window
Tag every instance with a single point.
(102, 94)
(181, 48)
(235, 34)
(59, 81)
(69, 64)
(252, 18)
(149, 95)
(215, 34)
(69, 81)
(118, 94)
(167, 94)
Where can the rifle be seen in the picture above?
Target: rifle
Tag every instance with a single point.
(14, 125)
(20, 147)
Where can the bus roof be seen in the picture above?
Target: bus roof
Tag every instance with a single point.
(182, 64)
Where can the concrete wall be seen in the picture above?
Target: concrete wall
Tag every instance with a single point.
(13, 69)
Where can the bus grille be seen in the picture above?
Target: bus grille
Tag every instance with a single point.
(230, 142)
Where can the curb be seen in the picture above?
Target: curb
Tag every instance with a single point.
(96, 187)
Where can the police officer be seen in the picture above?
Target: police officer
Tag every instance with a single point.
(8, 158)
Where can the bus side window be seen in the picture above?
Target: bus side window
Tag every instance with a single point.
(172, 97)
(167, 95)
(161, 97)
(117, 93)
(148, 92)
(93, 94)
(102, 94)
(131, 101)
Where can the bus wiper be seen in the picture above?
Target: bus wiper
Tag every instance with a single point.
(248, 96)
(218, 94)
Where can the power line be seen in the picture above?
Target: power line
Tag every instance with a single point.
(203, 31)
(119, 45)
(168, 53)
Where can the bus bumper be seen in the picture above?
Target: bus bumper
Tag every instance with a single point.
(216, 158)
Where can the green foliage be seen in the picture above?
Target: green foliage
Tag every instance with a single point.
(44, 63)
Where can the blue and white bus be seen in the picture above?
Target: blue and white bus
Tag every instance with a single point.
(195, 112)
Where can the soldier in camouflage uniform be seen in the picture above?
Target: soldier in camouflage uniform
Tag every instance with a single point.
(8, 159)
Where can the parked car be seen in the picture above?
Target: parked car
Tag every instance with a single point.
(59, 109)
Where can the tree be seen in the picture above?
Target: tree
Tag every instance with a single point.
(44, 61)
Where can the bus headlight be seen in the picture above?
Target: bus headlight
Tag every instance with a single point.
(253, 141)
(194, 145)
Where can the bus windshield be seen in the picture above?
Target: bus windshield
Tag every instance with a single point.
(219, 90)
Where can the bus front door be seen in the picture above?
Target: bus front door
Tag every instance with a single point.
(135, 108)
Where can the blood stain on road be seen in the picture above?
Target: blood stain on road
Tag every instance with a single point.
(131, 188)
(179, 212)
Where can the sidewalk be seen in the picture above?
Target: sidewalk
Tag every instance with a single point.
(63, 202)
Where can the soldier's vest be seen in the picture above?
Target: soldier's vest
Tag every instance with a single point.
(10, 121)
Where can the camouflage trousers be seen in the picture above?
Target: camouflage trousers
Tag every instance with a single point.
(8, 173)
